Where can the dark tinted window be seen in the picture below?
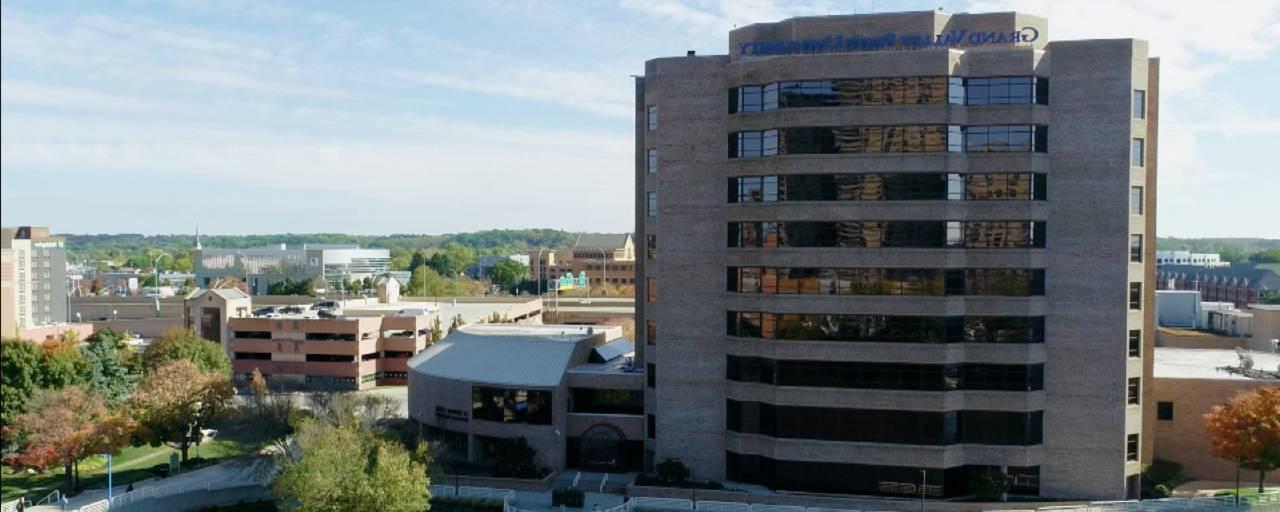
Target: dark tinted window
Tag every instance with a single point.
(902, 376)
(1009, 90)
(1135, 343)
(884, 426)
(874, 234)
(606, 401)
(1164, 411)
(511, 405)
(1005, 139)
(885, 328)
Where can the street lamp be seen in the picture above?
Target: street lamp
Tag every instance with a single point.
(108, 457)
(115, 314)
(923, 472)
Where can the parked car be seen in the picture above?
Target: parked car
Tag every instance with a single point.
(268, 311)
(291, 310)
(325, 304)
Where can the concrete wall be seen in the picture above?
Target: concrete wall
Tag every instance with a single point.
(146, 327)
(1173, 340)
(95, 308)
(1183, 439)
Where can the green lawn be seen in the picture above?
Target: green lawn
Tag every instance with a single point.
(130, 465)
(1245, 490)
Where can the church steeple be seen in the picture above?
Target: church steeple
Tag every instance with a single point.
(198, 237)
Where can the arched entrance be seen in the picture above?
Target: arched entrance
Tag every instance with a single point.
(604, 448)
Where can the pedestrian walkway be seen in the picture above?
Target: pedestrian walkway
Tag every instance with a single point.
(235, 469)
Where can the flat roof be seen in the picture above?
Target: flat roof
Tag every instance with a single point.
(472, 312)
(1198, 363)
(503, 354)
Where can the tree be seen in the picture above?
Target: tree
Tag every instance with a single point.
(73, 423)
(1246, 430)
(452, 259)
(265, 417)
(349, 468)
(111, 372)
(426, 282)
(62, 364)
(416, 261)
(291, 287)
(183, 344)
(436, 331)
(20, 362)
(672, 472)
(1232, 255)
(176, 400)
(1267, 256)
(508, 273)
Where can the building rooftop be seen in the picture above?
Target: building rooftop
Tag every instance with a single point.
(225, 293)
(601, 241)
(503, 354)
(472, 312)
(1261, 276)
(1195, 363)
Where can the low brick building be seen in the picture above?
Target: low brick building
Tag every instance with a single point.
(341, 353)
(1241, 283)
(1188, 383)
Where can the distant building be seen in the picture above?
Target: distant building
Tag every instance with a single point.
(1195, 259)
(33, 279)
(1240, 284)
(603, 258)
(573, 392)
(1187, 384)
(368, 343)
(332, 264)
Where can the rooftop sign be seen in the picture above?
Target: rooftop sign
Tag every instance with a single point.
(889, 41)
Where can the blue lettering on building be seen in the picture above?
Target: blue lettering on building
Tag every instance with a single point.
(891, 40)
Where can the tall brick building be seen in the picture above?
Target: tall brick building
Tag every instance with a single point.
(881, 244)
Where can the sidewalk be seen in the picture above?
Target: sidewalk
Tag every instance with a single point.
(235, 468)
(541, 501)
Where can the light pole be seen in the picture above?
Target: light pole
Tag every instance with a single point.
(923, 472)
(115, 314)
(1238, 481)
(108, 457)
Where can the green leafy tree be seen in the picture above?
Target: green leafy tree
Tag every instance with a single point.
(1232, 255)
(672, 472)
(20, 362)
(183, 344)
(176, 400)
(416, 261)
(291, 287)
(436, 331)
(508, 273)
(350, 468)
(112, 370)
(183, 263)
(452, 259)
(62, 364)
(427, 283)
(147, 280)
(1267, 256)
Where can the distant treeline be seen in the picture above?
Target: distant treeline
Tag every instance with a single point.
(1259, 250)
(140, 250)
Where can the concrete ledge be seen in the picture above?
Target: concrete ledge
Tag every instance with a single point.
(830, 502)
(515, 484)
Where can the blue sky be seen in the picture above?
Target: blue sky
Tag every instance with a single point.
(435, 117)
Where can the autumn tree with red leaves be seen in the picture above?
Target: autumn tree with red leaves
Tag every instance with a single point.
(1246, 430)
(67, 425)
